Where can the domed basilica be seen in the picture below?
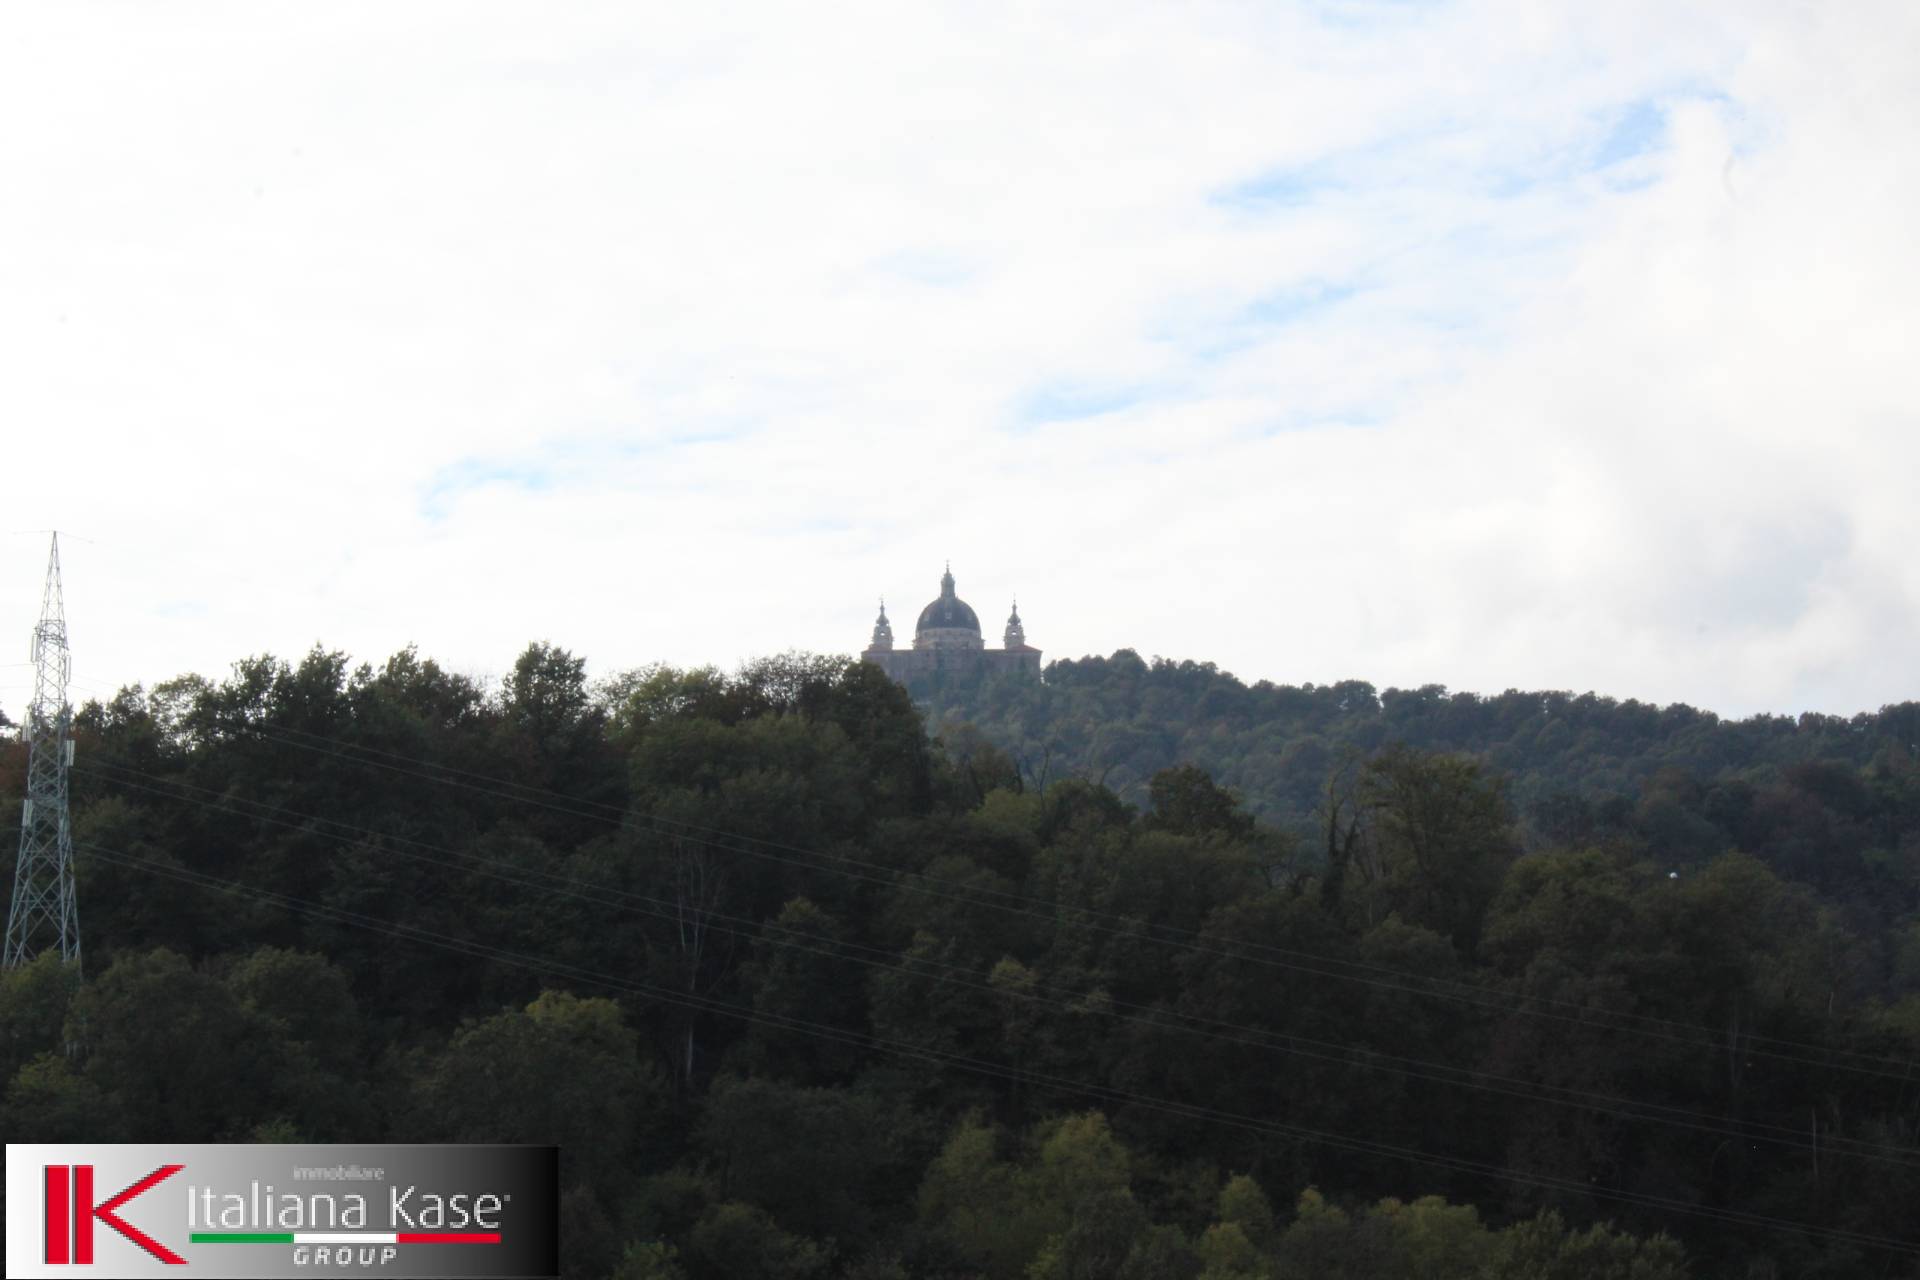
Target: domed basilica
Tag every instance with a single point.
(947, 638)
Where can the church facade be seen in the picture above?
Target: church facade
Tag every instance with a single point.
(947, 639)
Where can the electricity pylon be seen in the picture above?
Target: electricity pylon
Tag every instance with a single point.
(42, 915)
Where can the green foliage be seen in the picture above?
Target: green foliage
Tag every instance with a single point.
(1329, 909)
(1080, 1160)
(1227, 1254)
(651, 1260)
(741, 1242)
(1125, 719)
(1542, 1248)
(314, 1030)
(34, 1000)
(305, 999)
(49, 1100)
(801, 965)
(978, 1203)
(881, 1265)
(1160, 1253)
(1187, 802)
(590, 1242)
(1321, 1241)
(177, 1050)
(819, 1160)
(1435, 1240)
(1244, 1205)
(968, 768)
(545, 698)
(1441, 841)
(1065, 1212)
(1101, 1233)
(565, 1070)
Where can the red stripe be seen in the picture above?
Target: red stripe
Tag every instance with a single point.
(56, 1213)
(83, 1213)
(448, 1237)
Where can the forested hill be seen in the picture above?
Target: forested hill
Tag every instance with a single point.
(1573, 765)
(805, 992)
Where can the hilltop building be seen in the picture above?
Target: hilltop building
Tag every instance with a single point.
(947, 639)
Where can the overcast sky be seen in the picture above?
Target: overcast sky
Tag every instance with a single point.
(1493, 345)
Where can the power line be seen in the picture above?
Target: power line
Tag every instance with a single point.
(1273, 956)
(1016, 1075)
(1152, 1017)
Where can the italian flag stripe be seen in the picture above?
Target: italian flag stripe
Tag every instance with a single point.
(345, 1237)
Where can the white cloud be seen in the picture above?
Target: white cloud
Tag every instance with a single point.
(682, 335)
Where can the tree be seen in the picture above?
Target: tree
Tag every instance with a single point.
(1227, 1254)
(175, 1048)
(820, 1161)
(34, 999)
(784, 841)
(565, 1070)
(305, 998)
(651, 1260)
(551, 733)
(49, 1100)
(802, 963)
(1435, 1240)
(1442, 839)
(313, 1031)
(1160, 1253)
(1186, 802)
(978, 1204)
(740, 1242)
(1542, 1248)
(545, 699)
(1320, 1242)
(1246, 1206)
(1099, 1239)
(969, 766)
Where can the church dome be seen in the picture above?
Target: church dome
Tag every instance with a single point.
(947, 643)
(947, 614)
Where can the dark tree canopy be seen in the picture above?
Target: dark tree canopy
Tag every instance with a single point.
(1132, 971)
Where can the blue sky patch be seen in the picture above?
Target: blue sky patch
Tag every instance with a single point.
(1287, 306)
(1068, 401)
(1256, 321)
(1278, 189)
(1638, 129)
(468, 474)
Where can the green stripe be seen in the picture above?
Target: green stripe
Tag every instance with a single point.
(241, 1237)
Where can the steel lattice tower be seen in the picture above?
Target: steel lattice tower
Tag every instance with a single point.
(42, 915)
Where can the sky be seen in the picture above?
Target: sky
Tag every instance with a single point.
(1485, 344)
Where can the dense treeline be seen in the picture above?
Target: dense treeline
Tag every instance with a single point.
(1817, 797)
(804, 992)
(1131, 718)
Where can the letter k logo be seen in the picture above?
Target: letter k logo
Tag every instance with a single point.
(72, 1219)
